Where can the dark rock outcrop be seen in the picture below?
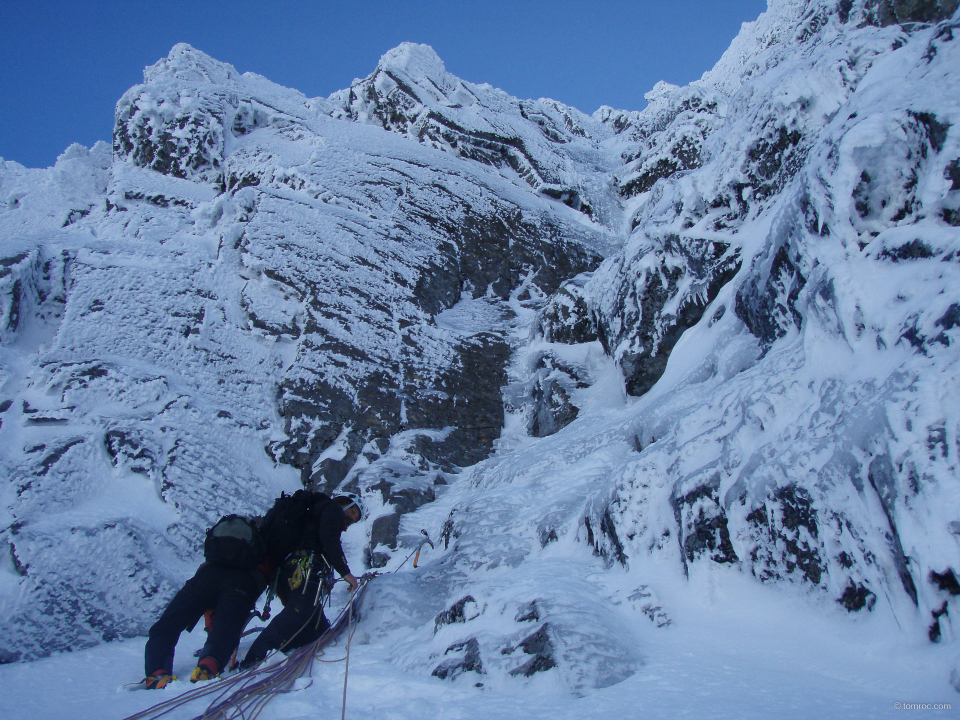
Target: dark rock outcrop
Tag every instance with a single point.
(669, 137)
(787, 539)
(462, 610)
(703, 523)
(566, 318)
(540, 647)
(410, 93)
(888, 12)
(658, 295)
(468, 661)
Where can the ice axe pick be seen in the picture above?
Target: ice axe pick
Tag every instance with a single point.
(426, 541)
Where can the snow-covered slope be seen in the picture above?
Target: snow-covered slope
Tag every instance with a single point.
(610, 363)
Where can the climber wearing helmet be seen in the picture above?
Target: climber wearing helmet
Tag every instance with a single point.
(304, 575)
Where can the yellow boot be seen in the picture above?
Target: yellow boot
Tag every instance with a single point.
(158, 679)
(207, 669)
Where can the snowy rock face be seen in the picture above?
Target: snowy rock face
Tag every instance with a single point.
(598, 358)
(543, 142)
(804, 267)
(247, 294)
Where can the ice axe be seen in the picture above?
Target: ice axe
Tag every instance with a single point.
(426, 541)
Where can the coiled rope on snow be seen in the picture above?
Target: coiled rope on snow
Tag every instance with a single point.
(244, 695)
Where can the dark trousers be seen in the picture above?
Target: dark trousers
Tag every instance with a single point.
(299, 623)
(229, 592)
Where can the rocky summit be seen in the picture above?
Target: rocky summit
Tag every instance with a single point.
(598, 357)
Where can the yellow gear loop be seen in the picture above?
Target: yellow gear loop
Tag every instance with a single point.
(296, 580)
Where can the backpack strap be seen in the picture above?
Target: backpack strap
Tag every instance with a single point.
(309, 538)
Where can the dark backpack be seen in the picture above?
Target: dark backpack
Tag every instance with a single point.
(234, 541)
(292, 524)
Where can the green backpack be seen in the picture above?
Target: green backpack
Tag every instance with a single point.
(234, 541)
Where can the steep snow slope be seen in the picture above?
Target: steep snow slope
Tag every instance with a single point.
(717, 660)
(401, 289)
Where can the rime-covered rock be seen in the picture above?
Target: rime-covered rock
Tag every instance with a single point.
(249, 294)
(827, 179)
(544, 142)
(586, 354)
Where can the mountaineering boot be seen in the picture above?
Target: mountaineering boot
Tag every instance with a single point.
(207, 669)
(158, 679)
(248, 663)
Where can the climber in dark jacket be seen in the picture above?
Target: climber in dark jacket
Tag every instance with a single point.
(227, 596)
(298, 582)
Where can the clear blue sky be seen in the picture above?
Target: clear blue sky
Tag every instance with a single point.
(65, 63)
